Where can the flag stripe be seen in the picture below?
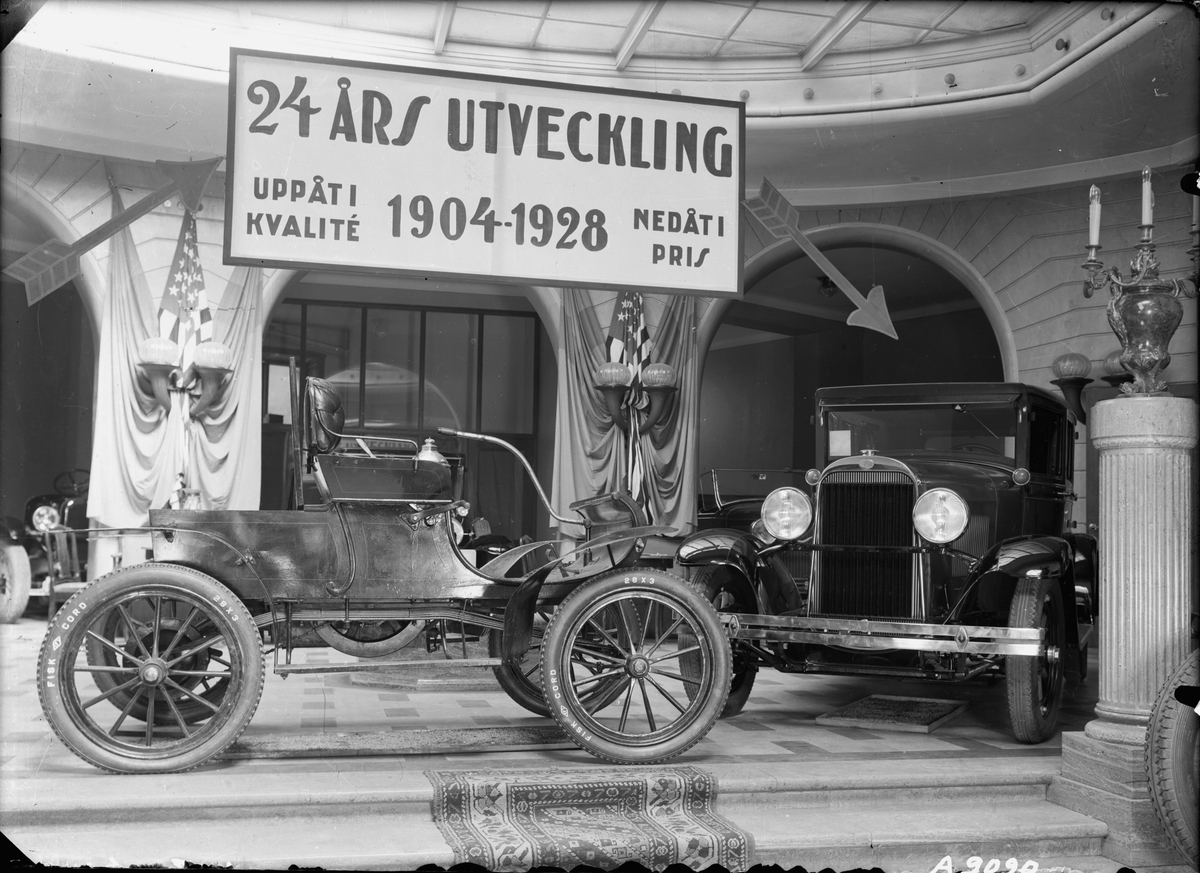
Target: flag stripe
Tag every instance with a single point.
(184, 314)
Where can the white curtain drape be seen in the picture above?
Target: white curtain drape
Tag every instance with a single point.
(138, 449)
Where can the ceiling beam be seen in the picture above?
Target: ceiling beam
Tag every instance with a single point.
(442, 29)
(833, 32)
(636, 31)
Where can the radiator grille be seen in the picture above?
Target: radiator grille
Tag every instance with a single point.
(865, 508)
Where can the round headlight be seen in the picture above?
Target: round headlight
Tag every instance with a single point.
(940, 515)
(787, 513)
(45, 517)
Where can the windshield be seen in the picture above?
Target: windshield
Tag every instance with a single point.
(974, 429)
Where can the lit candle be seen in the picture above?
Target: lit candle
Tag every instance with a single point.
(1094, 217)
(1147, 198)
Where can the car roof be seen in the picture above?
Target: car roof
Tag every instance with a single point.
(935, 392)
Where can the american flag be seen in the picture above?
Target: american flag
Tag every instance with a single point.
(184, 316)
(628, 340)
(629, 343)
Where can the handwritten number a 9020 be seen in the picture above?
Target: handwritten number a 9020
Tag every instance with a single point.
(303, 106)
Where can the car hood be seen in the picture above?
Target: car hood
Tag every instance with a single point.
(980, 484)
(970, 480)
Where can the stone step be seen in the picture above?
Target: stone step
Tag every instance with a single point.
(208, 793)
(917, 836)
(897, 836)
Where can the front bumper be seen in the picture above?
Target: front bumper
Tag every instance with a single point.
(868, 635)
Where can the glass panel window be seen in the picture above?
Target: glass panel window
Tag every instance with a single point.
(1045, 442)
(393, 369)
(280, 342)
(333, 343)
(451, 364)
(508, 350)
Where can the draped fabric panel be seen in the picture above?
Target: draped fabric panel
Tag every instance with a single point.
(138, 449)
(227, 443)
(590, 449)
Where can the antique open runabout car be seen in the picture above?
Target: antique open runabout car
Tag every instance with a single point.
(939, 547)
(158, 667)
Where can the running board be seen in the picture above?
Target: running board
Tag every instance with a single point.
(387, 665)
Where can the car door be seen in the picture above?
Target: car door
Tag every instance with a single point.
(1048, 494)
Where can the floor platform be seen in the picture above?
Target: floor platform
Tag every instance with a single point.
(354, 795)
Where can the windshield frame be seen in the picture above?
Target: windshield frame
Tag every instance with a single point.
(1003, 439)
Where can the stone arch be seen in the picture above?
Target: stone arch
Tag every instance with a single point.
(91, 283)
(899, 239)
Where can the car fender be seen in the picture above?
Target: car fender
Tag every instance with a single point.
(12, 530)
(767, 580)
(521, 607)
(1085, 566)
(734, 548)
(1011, 559)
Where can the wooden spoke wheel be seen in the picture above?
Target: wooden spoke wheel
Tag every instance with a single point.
(180, 679)
(633, 627)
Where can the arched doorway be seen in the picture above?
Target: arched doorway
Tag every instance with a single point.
(408, 356)
(788, 336)
(51, 343)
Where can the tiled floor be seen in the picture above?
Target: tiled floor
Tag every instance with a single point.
(777, 725)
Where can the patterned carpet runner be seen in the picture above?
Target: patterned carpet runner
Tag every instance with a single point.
(513, 820)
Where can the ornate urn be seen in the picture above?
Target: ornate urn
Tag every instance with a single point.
(1145, 311)
(1144, 320)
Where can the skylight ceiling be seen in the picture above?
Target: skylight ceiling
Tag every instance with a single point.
(677, 29)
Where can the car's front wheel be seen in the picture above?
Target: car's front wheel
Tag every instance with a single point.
(14, 583)
(1035, 682)
(629, 630)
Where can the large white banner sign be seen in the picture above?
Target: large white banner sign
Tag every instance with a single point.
(357, 166)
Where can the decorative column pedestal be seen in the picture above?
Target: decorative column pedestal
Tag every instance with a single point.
(1145, 444)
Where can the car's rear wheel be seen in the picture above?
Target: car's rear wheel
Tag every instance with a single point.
(632, 627)
(154, 666)
(15, 577)
(1035, 682)
(523, 681)
(727, 592)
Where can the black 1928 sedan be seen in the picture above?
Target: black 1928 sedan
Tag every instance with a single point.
(938, 544)
(939, 537)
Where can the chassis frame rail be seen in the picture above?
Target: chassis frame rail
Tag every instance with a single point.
(868, 634)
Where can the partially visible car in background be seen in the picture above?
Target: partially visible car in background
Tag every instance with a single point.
(42, 556)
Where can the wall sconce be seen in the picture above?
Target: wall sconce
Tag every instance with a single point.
(1145, 311)
(159, 373)
(212, 364)
(828, 289)
(613, 380)
(1114, 373)
(1071, 370)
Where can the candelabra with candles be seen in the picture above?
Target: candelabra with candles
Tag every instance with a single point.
(1144, 311)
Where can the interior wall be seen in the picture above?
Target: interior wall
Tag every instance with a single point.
(746, 406)
(47, 367)
(954, 347)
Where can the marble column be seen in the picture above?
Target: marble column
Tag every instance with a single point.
(1145, 445)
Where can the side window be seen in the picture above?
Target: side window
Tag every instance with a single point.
(1047, 443)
